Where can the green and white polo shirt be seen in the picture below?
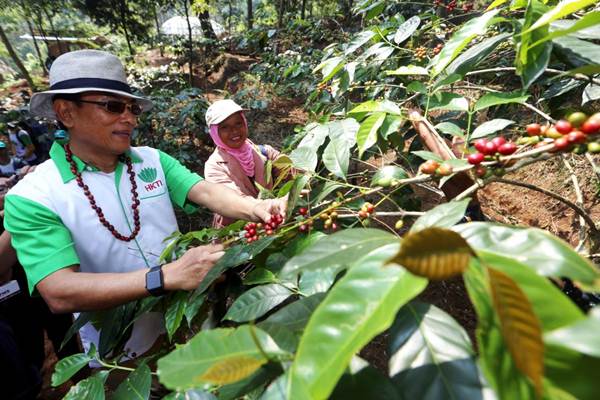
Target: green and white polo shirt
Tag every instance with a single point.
(53, 225)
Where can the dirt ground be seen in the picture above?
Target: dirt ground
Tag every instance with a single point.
(522, 206)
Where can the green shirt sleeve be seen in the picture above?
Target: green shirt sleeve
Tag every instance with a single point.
(179, 181)
(43, 244)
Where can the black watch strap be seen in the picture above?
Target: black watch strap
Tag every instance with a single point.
(154, 281)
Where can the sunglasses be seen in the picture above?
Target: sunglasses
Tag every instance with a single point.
(117, 107)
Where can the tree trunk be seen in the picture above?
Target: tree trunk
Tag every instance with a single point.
(280, 13)
(229, 17)
(250, 17)
(187, 19)
(40, 26)
(158, 34)
(37, 48)
(58, 42)
(16, 60)
(206, 26)
(123, 11)
(303, 13)
(27, 14)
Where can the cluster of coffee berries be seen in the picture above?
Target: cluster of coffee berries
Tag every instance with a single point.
(482, 172)
(497, 145)
(573, 131)
(329, 220)
(432, 167)
(305, 227)
(420, 53)
(366, 210)
(451, 6)
(323, 86)
(253, 229)
(438, 48)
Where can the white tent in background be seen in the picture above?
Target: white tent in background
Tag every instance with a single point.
(178, 26)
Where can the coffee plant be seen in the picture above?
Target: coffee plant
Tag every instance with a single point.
(286, 311)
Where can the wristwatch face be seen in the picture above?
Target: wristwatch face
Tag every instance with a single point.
(154, 283)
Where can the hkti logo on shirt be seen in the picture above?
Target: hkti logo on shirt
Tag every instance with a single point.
(148, 175)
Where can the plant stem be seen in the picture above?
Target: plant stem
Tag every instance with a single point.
(540, 112)
(469, 122)
(390, 43)
(257, 343)
(116, 366)
(386, 214)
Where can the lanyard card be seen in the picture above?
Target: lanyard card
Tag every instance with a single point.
(8, 290)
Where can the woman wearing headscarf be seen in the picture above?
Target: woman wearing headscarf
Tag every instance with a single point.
(236, 162)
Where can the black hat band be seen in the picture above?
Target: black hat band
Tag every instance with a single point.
(99, 83)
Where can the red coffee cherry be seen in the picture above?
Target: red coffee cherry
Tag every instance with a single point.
(475, 158)
(534, 129)
(507, 148)
(563, 126)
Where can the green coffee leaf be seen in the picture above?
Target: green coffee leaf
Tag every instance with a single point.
(340, 249)
(69, 366)
(256, 302)
(209, 354)
(361, 305)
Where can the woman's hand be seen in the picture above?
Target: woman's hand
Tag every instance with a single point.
(263, 209)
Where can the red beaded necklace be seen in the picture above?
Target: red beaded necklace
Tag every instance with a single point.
(90, 197)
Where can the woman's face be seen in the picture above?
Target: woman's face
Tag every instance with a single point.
(233, 131)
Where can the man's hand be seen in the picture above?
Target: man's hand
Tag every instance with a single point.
(189, 270)
(263, 209)
(227, 202)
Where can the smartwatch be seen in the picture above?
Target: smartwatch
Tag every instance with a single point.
(154, 281)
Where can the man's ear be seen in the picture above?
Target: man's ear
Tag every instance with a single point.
(64, 112)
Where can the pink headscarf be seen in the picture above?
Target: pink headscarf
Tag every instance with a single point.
(244, 155)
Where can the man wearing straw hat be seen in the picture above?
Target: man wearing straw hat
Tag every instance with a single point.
(89, 223)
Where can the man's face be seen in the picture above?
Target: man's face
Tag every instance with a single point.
(233, 131)
(93, 126)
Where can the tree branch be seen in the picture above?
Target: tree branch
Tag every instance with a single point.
(555, 196)
(589, 157)
(579, 197)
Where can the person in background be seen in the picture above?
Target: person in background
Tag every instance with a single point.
(61, 136)
(23, 320)
(236, 162)
(9, 166)
(24, 147)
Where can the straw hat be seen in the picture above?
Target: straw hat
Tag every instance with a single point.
(84, 71)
